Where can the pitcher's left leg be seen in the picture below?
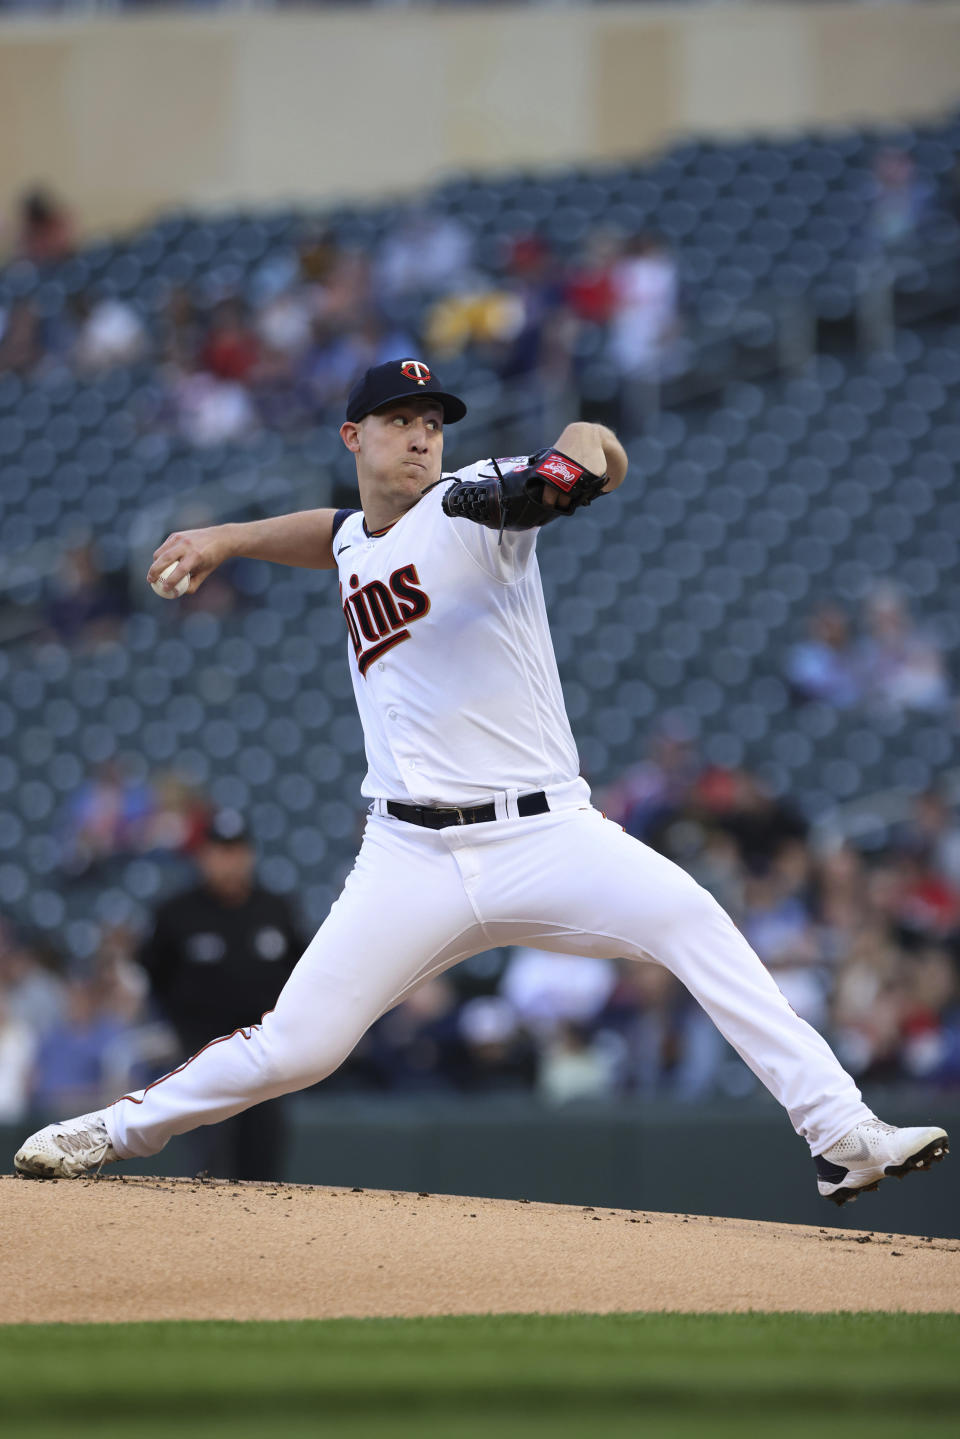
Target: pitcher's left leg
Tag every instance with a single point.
(587, 887)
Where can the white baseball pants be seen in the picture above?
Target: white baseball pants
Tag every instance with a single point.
(418, 901)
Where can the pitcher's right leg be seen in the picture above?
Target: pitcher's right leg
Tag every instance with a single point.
(403, 914)
(402, 911)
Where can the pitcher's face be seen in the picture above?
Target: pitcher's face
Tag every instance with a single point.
(399, 450)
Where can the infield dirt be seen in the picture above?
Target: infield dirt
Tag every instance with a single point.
(122, 1249)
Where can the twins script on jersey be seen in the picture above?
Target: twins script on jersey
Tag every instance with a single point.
(439, 656)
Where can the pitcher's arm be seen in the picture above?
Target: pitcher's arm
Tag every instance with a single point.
(303, 539)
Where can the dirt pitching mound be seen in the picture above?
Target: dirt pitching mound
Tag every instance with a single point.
(122, 1249)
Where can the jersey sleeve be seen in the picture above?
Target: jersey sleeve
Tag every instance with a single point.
(506, 560)
(339, 518)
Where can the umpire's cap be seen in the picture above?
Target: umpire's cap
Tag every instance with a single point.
(400, 380)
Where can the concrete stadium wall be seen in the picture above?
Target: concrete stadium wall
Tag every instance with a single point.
(737, 1159)
(125, 116)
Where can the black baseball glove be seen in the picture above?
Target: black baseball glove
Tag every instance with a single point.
(514, 501)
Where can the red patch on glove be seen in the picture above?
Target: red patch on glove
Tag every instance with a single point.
(559, 470)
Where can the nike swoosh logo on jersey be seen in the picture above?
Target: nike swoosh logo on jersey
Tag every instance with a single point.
(342, 548)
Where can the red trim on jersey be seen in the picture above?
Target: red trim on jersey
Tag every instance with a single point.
(375, 534)
(180, 1068)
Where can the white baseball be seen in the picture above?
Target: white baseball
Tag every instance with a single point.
(181, 587)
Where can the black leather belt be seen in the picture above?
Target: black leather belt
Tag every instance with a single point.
(440, 818)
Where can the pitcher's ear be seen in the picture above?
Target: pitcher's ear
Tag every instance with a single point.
(350, 435)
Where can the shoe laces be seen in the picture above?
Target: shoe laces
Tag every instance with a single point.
(877, 1126)
(78, 1140)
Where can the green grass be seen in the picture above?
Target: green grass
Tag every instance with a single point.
(567, 1377)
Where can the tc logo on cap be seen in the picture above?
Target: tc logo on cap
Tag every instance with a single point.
(415, 370)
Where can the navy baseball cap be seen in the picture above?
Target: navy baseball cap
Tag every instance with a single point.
(400, 380)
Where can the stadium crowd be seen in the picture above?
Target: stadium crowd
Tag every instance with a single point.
(275, 353)
(893, 664)
(226, 364)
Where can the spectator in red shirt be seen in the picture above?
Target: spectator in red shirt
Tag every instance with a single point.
(590, 288)
(231, 349)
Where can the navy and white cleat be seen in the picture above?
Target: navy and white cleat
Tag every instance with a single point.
(874, 1151)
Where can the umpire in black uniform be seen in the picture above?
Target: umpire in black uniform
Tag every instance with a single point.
(217, 958)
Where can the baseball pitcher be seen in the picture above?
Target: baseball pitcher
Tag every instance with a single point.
(480, 828)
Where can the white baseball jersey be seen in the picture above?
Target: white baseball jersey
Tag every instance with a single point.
(451, 657)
